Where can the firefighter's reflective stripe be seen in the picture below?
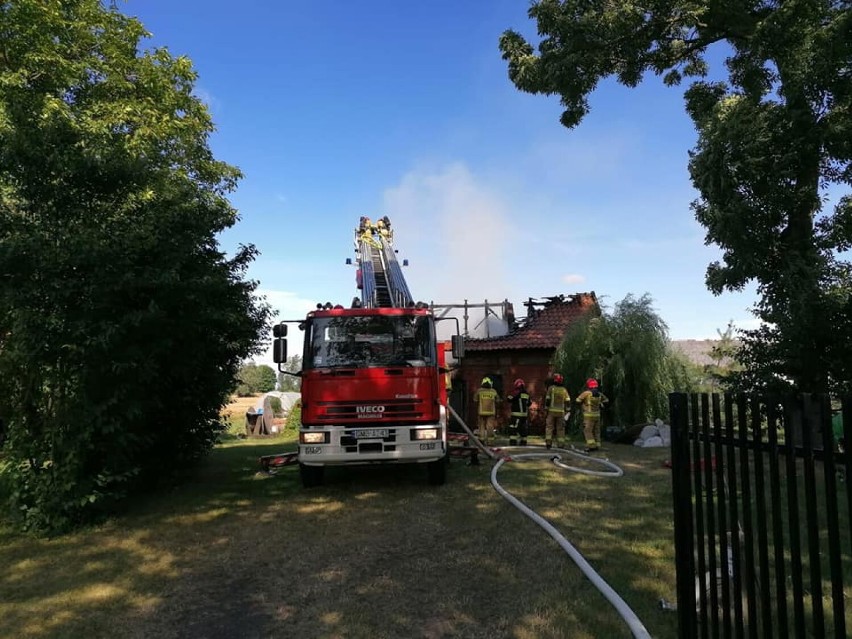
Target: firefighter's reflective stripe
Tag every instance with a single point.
(520, 404)
(591, 403)
(486, 398)
(557, 397)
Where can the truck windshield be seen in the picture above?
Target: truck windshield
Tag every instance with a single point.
(369, 341)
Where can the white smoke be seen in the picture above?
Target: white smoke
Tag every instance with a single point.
(455, 231)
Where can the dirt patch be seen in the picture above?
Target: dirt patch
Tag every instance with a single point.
(239, 405)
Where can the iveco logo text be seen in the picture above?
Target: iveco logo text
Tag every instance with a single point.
(370, 409)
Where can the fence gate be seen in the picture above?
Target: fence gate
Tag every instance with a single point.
(763, 516)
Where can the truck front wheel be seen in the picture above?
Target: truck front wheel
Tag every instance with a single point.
(437, 472)
(311, 475)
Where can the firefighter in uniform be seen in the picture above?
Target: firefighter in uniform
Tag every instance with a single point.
(388, 229)
(366, 232)
(557, 402)
(382, 229)
(592, 399)
(486, 399)
(519, 407)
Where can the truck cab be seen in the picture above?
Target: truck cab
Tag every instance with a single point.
(373, 390)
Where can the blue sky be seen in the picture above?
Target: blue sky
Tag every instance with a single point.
(335, 110)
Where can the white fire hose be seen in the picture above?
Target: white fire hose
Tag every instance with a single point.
(555, 455)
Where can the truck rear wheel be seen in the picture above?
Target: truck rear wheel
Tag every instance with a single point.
(437, 472)
(311, 475)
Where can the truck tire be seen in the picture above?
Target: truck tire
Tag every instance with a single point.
(311, 475)
(437, 472)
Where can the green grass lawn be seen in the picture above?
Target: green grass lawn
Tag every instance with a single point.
(374, 553)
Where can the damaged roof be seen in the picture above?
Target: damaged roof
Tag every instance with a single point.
(544, 327)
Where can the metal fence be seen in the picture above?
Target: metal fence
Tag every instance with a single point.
(763, 516)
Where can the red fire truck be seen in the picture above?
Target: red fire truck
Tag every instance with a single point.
(374, 380)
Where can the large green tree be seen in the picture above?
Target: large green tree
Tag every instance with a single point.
(254, 379)
(774, 140)
(122, 322)
(629, 351)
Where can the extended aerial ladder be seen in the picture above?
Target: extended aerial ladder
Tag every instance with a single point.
(383, 285)
(380, 275)
(374, 377)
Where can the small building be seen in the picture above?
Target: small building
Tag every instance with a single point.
(526, 352)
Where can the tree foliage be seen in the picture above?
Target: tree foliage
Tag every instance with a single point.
(629, 351)
(294, 417)
(253, 379)
(771, 140)
(721, 374)
(122, 323)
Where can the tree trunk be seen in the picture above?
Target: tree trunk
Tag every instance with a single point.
(802, 293)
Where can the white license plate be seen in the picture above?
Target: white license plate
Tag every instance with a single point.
(371, 433)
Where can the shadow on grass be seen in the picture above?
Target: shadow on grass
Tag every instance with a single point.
(376, 552)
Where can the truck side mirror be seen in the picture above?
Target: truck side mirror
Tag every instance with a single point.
(457, 342)
(279, 350)
(279, 330)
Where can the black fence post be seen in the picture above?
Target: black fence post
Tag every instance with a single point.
(846, 412)
(808, 409)
(777, 524)
(682, 492)
(748, 526)
(708, 579)
(835, 559)
(735, 526)
(762, 530)
(792, 414)
(697, 466)
(724, 570)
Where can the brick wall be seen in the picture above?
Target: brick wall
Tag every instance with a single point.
(504, 367)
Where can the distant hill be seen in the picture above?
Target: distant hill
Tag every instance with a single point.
(696, 350)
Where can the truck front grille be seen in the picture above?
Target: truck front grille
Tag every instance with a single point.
(374, 411)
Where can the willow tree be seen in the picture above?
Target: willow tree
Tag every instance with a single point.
(774, 140)
(122, 322)
(629, 351)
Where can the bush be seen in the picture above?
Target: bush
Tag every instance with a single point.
(294, 418)
(275, 404)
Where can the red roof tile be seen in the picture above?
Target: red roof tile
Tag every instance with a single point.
(544, 328)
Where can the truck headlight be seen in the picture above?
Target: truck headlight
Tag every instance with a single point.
(313, 438)
(426, 433)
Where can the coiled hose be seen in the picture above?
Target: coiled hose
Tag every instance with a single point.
(555, 455)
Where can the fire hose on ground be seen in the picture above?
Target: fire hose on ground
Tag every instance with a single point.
(555, 455)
